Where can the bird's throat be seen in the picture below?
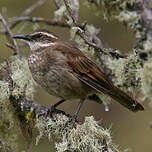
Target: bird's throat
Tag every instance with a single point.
(34, 46)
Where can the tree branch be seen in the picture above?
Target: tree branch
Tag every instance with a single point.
(26, 12)
(10, 36)
(29, 10)
(83, 137)
(39, 20)
(87, 136)
(82, 34)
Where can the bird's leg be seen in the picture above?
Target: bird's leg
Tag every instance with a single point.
(52, 107)
(58, 103)
(74, 117)
(78, 109)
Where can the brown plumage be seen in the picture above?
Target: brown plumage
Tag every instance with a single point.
(89, 73)
(64, 71)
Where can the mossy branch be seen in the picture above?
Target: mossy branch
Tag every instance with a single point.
(88, 136)
(132, 73)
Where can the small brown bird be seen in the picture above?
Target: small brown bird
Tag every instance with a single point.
(65, 72)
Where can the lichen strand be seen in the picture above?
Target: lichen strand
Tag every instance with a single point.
(146, 80)
(58, 14)
(4, 90)
(125, 12)
(146, 52)
(8, 130)
(110, 8)
(90, 31)
(87, 137)
(4, 147)
(22, 77)
(125, 71)
(9, 125)
(132, 14)
(52, 126)
(62, 11)
(106, 101)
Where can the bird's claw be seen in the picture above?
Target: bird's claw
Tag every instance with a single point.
(49, 111)
(70, 123)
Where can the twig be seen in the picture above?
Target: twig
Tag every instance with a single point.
(28, 11)
(25, 105)
(10, 35)
(97, 44)
(84, 37)
(94, 2)
(51, 22)
(39, 20)
(32, 116)
(113, 53)
(57, 3)
(141, 26)
(96, 41)
(33, 7)
(70, 12)
(22, 27)
(10, 46)
(76, 10)
(54, 124)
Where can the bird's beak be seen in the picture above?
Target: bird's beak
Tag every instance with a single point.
(22, 36)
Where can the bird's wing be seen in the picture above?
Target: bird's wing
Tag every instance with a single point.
(85, 69)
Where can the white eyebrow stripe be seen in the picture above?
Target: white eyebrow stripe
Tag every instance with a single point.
(48, 34)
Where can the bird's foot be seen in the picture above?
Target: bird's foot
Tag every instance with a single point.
(50, 110)
(71, 122)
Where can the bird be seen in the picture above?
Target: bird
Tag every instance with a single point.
(64, 71)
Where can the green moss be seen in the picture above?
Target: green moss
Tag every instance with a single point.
(30, 116)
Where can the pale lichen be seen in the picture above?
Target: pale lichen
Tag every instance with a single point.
(106, 101)
(148, 46)
(125, 71)
(4, 90)
(146, 80)
(50, 127)
(87, 137)
(58, 14)
(8, 126)
(130, 17)
(22, 77)
(62, 11)
(90, 32)
(22, 80)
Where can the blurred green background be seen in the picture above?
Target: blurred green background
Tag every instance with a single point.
(129, 130)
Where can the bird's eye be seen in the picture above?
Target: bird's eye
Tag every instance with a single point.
(37, 36)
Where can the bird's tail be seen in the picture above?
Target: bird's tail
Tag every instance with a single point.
(115, 93)
(125, 100)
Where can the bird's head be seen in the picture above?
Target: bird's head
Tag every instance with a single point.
(38, 39)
